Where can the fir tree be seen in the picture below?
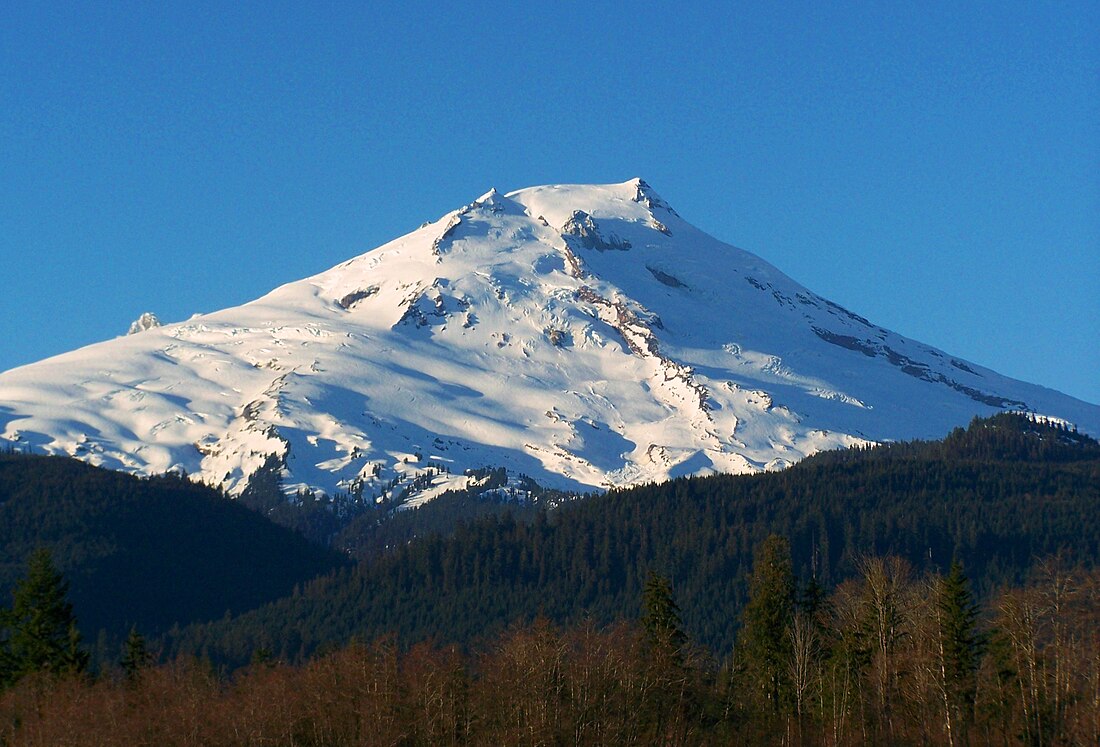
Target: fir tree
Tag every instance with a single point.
(961, 643)
(671, 707)
(764, 642)
(135, 654)
(40, 633)
(811, 599)
(661, 617)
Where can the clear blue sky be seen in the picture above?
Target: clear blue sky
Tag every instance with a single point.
(932, 166)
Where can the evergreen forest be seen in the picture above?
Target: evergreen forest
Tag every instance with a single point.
(889, 657)
(994, 497)
(939, 592)
(151, 552)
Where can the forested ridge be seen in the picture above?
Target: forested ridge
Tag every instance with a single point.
(994, 496)
(146, 551)
(938, 593)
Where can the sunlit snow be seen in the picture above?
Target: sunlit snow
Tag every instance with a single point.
(586, 336)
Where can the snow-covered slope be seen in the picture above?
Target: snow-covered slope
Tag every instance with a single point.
(584, 335)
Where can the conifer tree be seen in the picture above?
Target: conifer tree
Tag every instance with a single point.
(764, 641)
(40, 633)
(811, 599)
(961, 643)
(661, 616)
(669, 709)
(135, 654)
(809, 640)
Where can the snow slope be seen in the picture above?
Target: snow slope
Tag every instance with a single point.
(584, 335)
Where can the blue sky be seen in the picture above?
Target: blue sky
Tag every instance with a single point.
(934, 167)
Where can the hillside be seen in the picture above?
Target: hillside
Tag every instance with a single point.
(145, 551)
(995, 496)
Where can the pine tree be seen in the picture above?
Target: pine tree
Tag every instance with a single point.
(961, 643)
(135, 654)
(811, 599)
(809, 637)
(669, 710)
(764, 641)
(40, 632)
(661, 617)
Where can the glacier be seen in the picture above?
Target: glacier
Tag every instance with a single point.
(584, 335)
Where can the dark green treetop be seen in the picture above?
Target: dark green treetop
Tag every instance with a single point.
(764, 642)
(135, 654)
(961, 641)
(661, 616)
(39, 631)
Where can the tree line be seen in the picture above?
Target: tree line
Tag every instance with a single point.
(993, 496)
(887, 657)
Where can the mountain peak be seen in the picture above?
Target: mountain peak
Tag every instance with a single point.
(632, 201)
(646, 195)
(510, 333)
(489, 197)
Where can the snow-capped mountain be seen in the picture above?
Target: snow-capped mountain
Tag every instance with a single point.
(586, 336)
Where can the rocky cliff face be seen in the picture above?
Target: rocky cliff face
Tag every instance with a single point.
(147, 320)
